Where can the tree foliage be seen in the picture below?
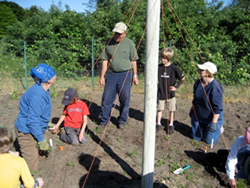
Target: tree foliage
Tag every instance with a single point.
(18, 11)
(199, 32)
(7, 17)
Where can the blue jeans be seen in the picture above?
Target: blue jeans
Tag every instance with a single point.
(116, 83)
(71, 136)
(35, 185)
(201, 127)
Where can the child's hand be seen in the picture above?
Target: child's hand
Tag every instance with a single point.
(81, 136)
(14, 153)
(172, 88)
(54, 130)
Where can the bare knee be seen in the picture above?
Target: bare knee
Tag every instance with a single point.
(40, 181)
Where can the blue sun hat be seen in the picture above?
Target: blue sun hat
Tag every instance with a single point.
(42, 73)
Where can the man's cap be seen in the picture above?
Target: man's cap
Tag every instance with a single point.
(42, 73)
(69, 95)
(120, 27)
(211, 67)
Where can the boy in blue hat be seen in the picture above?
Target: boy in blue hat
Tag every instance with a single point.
(34, 116)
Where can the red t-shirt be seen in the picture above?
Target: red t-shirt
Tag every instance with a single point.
(74, 114)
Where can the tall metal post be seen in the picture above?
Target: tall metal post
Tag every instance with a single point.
(25, 63)
(151, 75)
(93, 66)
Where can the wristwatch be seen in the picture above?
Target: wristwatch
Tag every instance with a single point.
(135, 76)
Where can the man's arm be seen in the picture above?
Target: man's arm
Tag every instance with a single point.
(135, 77)
(103, 72)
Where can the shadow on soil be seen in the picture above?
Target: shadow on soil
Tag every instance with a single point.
(214, 163)
(98, 178)
(95, 111)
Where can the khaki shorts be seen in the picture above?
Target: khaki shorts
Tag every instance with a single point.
(171, 105)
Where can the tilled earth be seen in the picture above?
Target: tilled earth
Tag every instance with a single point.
(118, 159)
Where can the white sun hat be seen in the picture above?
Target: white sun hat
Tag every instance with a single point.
(211, 67)
(120, 27)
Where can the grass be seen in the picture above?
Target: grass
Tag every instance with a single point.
(174, 166)
(15, 86)
(160, 162)
(14, 95)
(242, 183)
(118, 139)
(195, 143)
(69, 163)
(133, 153)
(168, 137)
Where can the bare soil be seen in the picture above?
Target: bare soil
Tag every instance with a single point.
(118, 159)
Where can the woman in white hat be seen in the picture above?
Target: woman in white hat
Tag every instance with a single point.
(207, 109)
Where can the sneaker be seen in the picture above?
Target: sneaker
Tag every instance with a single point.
(171, 129)
(122, 126)
(158, 127)
(62, 131)
(101, 127)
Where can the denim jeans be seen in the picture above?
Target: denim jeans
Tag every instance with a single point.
(116, 83)
(71, 136)
(243, 164)
(35, 185)
(200, 129)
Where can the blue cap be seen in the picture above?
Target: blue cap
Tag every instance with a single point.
(69, 95)
(42, 73)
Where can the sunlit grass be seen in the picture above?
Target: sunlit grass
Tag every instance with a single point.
(10, 85)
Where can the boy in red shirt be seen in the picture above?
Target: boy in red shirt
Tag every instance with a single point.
(75, 119)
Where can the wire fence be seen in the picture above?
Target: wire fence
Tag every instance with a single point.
(78, 58)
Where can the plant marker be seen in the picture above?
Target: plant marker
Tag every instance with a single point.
(212, 143)
(180, 170)
(50, 142)
(51, 128)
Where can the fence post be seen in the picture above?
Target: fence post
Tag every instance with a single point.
(93, 75)
(25, 63)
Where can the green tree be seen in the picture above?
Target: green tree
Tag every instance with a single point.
(16, 9)
(7, 17)
(63, 38)
(32, 11)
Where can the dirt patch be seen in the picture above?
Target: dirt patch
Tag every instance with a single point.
(118, 162)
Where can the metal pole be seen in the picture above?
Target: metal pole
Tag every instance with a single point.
(151, 75)
(25, 63)
(93, 75)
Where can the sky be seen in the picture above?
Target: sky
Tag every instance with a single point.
(75, 5)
